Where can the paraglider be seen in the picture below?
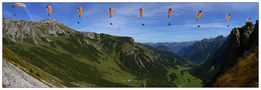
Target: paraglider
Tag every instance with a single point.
(15, 5)
(18, 5)
(199, 14)
(169, 14)
(49, 10)
(228, 18)
(80, 11)
(142, 14)
(111, 12)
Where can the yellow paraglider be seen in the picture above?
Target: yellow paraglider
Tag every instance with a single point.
(169, 14)
(142, 14)
(199, 14)
(49, 10)
(111, 13)
(228, 16)
(15, 5)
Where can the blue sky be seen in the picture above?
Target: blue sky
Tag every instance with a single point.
(127, 22)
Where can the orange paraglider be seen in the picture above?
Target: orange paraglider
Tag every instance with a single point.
(169, 14)
(142, 14)
(15, 5)
(228, 16)
(80, 11)
(199, 14)
(18, 5)
(111, 13)
(49, 10)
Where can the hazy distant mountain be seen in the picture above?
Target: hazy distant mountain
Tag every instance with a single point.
(236, 62)
(171, 46)
(54, 53)
(201, 50)
(194, 51)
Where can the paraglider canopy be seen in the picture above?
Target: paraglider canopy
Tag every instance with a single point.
(80, 10)
(111, 12)
(228, 17)
(199, 14)
(18, 5)
(170, 12)
(141, 12)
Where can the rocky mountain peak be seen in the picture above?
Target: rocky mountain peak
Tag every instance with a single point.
(239, 37)
(239, 43)
(220, 37)
(18, 30)
(242, 42)
(235, 37)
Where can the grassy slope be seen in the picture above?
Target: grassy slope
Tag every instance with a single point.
(182, 77)
(75, 64)
(243, 73)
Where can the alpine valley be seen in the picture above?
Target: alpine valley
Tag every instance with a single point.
(62, 57)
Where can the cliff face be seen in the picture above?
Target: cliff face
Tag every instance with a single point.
(239, 51)
(243, 73)
(240, 41)
(241, 63)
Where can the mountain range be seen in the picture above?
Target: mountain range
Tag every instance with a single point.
(63, 57)
(200, 51)
(195, 52)
(170, 46)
